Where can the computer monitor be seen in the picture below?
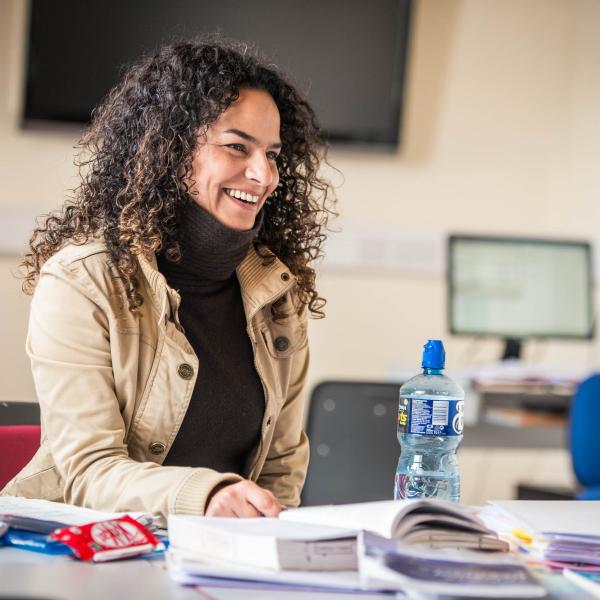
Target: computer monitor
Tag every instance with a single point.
(519, 288)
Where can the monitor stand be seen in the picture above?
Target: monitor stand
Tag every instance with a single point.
(512, 348)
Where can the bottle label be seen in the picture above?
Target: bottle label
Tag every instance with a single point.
(426, 416)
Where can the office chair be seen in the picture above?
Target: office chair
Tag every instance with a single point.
(19, 413)
(19, 436)
(18, 443)
(353, 446)
(584, 438)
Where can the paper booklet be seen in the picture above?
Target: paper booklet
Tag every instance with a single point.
(48, 516)
(324, 538)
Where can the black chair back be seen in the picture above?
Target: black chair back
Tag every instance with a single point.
(19, 413)
(353, 446)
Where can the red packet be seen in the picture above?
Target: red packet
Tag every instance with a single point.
(108, 540)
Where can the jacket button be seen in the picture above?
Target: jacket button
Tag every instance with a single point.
(185, 371)
(285, 276)
(157, 447)
(282, 343)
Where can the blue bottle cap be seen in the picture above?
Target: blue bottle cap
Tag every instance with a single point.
(434, 355)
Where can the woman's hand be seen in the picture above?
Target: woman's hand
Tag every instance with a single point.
(242, 499)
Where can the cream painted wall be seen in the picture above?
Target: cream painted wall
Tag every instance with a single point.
(501, 135)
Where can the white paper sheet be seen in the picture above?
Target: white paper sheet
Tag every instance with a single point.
(57, 511)
(576, 517)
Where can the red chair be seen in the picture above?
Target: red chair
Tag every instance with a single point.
(18, 443)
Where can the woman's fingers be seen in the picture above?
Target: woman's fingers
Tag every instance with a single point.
(243, 499)
(221, 503)
(264, 501)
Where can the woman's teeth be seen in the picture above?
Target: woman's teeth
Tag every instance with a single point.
(242, 196)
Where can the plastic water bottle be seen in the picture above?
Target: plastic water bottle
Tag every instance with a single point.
(430, 428)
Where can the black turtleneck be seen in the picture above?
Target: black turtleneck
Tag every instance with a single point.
(222, 423)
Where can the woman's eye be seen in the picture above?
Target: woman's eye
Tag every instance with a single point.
(272, 155)
(237, 147)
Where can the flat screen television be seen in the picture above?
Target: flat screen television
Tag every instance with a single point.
(519, 288)
(347, 56)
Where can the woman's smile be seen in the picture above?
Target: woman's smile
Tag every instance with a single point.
(246, 197)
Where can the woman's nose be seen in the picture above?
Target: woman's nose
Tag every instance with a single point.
(259, 169)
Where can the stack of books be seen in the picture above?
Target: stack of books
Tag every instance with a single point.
(421, 545)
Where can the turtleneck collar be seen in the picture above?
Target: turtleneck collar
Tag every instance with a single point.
(210, 251)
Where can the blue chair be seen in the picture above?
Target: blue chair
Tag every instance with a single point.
(585, 437)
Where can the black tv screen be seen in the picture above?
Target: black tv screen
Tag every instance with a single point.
(347, 56)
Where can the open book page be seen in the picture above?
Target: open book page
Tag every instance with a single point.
(385, 517)
(379, 517)
(58, 511)
(415, 520)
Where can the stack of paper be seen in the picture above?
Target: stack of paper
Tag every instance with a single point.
(188, 570)
(323, 538)
(60, 513)
(264, 543)
(391, 565)
(321, 548)
(26, 523)
(573, 548)
(560, 531)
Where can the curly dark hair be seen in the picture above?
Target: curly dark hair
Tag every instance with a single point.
(136, 165)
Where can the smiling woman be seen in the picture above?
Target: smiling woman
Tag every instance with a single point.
(235, 165)
(168, 322)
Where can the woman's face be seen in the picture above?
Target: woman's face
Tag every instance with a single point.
(233, 168)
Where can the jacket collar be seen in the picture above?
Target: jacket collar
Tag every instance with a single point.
(260, 284)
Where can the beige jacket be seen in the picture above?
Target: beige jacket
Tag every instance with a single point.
(114, 387)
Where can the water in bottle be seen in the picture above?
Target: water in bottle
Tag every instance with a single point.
(430, 428)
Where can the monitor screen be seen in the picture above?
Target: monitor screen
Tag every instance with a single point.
(520, 288)
(347, 56)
